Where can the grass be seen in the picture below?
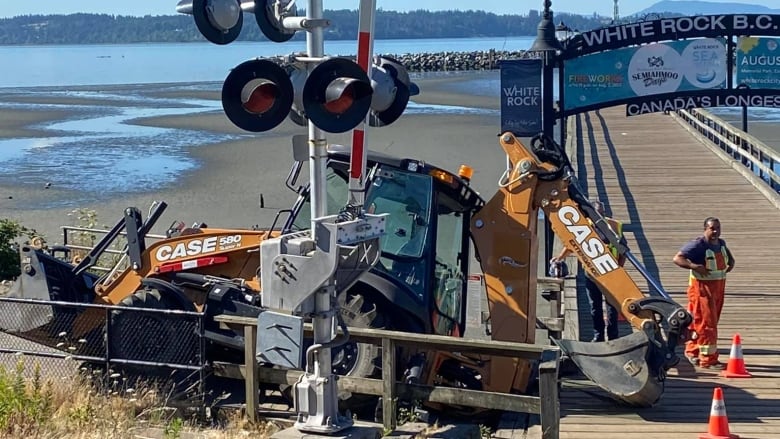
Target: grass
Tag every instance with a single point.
(77, 407)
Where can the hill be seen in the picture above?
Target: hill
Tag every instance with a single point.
(696, 7)
(115, 29)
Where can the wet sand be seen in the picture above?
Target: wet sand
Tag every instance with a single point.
(225, 190)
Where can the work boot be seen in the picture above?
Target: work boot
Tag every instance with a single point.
(714, 366)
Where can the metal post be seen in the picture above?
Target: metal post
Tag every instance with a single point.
(319, 379)
(561, 119)
(365, 50)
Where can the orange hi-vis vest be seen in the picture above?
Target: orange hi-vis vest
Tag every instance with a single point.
(716, 262)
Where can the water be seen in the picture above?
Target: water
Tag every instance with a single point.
(150, 157)
(35, 66)
(142, 158)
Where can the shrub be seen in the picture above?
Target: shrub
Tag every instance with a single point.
(10, 231)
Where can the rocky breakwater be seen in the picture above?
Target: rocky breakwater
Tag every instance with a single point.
(455, 61)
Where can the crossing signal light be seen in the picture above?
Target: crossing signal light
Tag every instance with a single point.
(219, 21)
(257, 95)
(392, 90)
(336, 96)
(270, 15)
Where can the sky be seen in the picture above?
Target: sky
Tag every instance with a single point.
(13, 8)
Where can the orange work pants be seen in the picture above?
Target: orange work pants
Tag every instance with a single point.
(705, 302)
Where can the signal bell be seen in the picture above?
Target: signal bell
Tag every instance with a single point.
(219, 21)
(336, 96)
(257, 95)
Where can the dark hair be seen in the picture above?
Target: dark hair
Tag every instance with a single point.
(710, 219)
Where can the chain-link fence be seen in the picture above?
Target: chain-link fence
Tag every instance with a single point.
(58, 340)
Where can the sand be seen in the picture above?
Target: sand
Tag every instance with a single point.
(225, 190)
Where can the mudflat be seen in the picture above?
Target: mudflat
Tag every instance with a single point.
(224, 190)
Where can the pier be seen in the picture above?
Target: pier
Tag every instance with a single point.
(661, 176)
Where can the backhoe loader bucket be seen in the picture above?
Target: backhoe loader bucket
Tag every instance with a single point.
(620, 367)
(44, 278)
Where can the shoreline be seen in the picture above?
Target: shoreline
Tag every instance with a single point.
(224, 190)
(231, 175)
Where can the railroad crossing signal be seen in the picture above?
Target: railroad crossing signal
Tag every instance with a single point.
(336, 95)
(327, 94)
(220, 21)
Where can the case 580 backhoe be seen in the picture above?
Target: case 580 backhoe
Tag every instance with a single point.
(419, 284)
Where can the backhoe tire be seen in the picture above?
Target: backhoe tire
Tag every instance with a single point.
(150, 336)
(362, 360)
(358, 359)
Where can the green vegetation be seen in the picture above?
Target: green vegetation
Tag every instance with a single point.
(10, 231)
(110, 29)
(83, 407)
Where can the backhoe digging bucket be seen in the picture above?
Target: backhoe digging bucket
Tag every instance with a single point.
(620, 367)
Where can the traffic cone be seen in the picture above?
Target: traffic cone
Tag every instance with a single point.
(736, 365)
(719, 422)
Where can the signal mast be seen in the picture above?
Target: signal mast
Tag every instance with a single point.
(302, 272)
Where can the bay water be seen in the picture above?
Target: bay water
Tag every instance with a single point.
(102, 131)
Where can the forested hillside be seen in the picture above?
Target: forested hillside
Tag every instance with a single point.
(109, 29)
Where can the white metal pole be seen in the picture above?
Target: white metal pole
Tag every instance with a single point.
(365, 50)
(323, 319)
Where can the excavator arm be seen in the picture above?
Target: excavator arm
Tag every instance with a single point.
(632, 368)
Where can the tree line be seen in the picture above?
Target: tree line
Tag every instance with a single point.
(117, 29)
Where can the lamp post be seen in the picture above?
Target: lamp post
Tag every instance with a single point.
(548, 46)
(562, 34)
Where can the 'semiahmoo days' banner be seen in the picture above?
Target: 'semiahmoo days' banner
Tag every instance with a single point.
(652, 69)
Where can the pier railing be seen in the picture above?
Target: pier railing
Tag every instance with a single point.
(760, 159)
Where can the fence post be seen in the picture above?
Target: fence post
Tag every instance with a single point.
(250, 363)
(388, 384)
(550, 413)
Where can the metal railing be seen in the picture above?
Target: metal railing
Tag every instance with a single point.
(761, 160)
(63, 337)
(73, 237)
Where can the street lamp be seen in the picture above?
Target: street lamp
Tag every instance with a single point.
(563, 32)
(548, 46)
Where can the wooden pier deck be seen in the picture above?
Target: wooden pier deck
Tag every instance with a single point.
(662, 182)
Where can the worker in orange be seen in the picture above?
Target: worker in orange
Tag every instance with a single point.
(594, 292)
(708, 259)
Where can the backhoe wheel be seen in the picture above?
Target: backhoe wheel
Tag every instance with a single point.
(150, 336)
(358, 359)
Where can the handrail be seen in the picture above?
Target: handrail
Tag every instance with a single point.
(546, 405)
(67, 241)
(760, 159)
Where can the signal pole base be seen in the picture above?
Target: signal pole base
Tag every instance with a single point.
(359, 431)
(316, 402)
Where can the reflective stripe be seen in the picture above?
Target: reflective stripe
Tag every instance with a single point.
(711, 262)
(707, 349)
(616, 227)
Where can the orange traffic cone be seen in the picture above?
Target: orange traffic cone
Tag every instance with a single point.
(736, 366)
(719, 422)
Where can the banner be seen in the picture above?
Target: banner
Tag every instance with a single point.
(521, 96)
(647, 70)
(671, 28)
(758, 62)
